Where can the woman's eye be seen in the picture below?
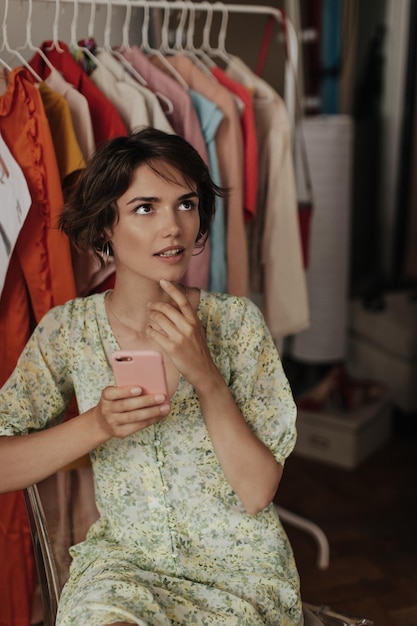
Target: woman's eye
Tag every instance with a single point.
(187, 205)
(143, 209)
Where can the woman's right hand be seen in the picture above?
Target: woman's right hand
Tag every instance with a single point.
(121, 411)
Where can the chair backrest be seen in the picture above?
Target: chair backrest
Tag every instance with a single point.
(44, 555)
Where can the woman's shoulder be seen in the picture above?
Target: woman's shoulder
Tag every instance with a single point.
(228, 309)
(77, 306)
(213, 299)
(77, 311)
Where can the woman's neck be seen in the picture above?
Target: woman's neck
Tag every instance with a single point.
(129, 305)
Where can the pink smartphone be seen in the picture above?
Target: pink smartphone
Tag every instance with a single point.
(140, 368)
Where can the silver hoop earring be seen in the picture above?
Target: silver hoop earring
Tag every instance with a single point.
(200, 247)
(105, 252)
(200, 244)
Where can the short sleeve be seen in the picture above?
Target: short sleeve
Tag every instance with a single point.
(40, 388)
(258, 382)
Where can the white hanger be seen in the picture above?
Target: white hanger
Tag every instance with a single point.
(29, 44)
(6, 46)
(91, 20)
(220, 51)
(74, 39)
(178, 47)
(124, 46)
(203, 51)
(189, 49)
(6, 65)
(55, 27)
(180, 30)
(161, 96)
(164, 44)
(146, 48)
(2, 61)
(107, 27)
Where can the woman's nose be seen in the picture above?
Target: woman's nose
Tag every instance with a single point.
(171, 223)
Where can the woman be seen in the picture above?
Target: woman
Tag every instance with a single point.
(184, 484)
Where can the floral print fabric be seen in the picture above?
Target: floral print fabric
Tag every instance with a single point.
(173, 544)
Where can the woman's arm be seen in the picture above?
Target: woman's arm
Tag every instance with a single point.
(249, 466)
(27, 459)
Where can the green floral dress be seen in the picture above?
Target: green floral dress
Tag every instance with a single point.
(173, 544)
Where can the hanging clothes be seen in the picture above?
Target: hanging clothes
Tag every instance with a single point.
(210, 117)
(183, 117)
(157, 117)
(136, 105)
(40, 274)
(67, 150)
(39, 277)
(79, 109)
(276, 259)
(107, 122)
(250, 144)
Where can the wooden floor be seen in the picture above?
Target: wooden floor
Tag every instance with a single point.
(370, 518)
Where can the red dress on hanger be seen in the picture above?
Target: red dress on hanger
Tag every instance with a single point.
(106, 120)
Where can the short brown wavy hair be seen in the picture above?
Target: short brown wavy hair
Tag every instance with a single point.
(91, 208)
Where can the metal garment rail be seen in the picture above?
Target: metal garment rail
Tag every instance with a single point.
(222, 8)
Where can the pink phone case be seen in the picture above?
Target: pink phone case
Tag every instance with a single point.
(140, 368)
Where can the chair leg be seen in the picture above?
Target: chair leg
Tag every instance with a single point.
(325, 616)
(312, 529)
(44, 557)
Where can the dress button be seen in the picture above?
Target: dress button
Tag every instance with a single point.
(159, 463)
(157, 442)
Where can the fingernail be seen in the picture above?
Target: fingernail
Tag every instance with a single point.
(164, 408)
(159, 398)
(135, 391)
(164, 283)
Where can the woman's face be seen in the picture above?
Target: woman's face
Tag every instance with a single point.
(157, 228)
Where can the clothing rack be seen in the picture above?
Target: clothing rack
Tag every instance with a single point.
(289, 96)
(289, 33)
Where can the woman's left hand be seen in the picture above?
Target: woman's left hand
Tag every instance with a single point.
(180, 334)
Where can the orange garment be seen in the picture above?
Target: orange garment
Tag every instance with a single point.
(39, 276)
